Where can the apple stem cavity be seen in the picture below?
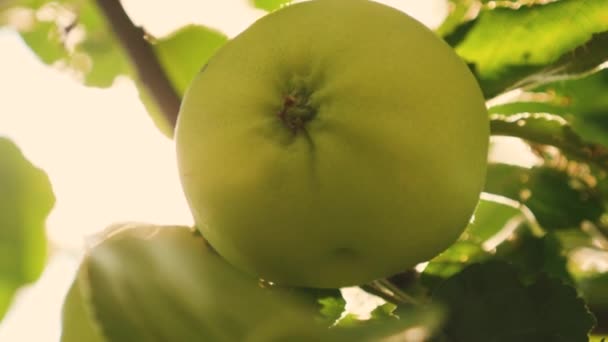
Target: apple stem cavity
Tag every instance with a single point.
(296, 110)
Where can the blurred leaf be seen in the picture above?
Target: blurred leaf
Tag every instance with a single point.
(332, 308)
(534, 44)
(44, 38)
(556, 199)
(459, 13)
(106, 59)
(490, 219)
(547, 129)
(389, 325)
(78, 324)
(270, 5)
(452, 261)
(535, 255)
(595, 291)
(75, 34)
(384, 311)
(86, 45)
(487, 302)
(573, 238)
(462, 13)
(25, 202)
(185, 52)
(169, 276)
(150, 283)
(582, 102)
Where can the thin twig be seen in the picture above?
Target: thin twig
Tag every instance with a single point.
(374, 290)
(397, 292)
(149, 71)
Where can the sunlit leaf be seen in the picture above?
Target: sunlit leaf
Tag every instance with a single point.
(534, 44)
(151, 283)
(185, 52)
(459, 12)
(170, 276)
(77, 322)
(490, 219)
(270, 5)
(557, 199)
(581, 102)
(26, 198)
(44, 38)
(106, 59)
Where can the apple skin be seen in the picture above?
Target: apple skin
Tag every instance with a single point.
(332, 143)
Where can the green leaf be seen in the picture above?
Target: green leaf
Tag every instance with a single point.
(184, 53)
(582, 102)
(488, 302)
(98, 56)
(151, 283)
(535, 255)
(270, 5)
(595, 291)
(332, 308)
(557, 199)
(553, 130)
(459, 12)
(389, 324)
(490, 219)
(530, 45)
(45, 40)
(77, 323)
(452, 261)
(25, 201)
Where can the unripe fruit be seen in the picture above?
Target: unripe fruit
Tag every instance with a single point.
(332, 143)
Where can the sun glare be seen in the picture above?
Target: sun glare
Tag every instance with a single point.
(106, 160)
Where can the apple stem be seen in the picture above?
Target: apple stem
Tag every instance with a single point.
(389, 292)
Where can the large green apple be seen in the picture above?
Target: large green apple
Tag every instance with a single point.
(332, 143)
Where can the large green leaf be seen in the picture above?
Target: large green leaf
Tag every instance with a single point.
(184, 53)
(77, 322)
(26, 198)
(488, 302)
(534, 44)
(548, 129)
(557, 199)
(533, 255)
(582, 102)
(270, 5)
(150, 283)
(491, 218)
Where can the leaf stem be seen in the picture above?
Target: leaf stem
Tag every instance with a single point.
(148, 68)
(547, 129)
(386, 290)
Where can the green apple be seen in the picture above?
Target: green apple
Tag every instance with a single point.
(332, 143)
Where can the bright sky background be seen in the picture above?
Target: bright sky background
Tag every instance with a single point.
(106, 160)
